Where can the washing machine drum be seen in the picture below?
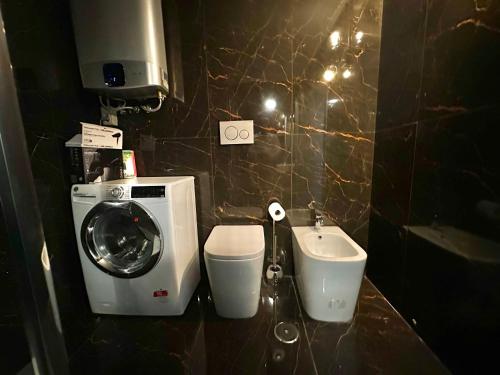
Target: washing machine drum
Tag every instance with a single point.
(121, 238)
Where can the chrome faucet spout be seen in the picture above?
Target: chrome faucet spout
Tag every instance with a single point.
(316, 215)
(318, 222)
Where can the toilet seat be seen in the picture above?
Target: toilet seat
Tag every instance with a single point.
(235, 242)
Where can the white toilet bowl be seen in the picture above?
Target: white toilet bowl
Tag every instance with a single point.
(234, 256)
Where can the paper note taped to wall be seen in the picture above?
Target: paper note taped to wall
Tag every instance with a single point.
(98, 136)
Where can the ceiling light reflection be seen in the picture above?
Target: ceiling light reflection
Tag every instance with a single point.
(335, 39)
(328, 75)
(346, 74)
(332, 102)
(270, 104)
(359, 36)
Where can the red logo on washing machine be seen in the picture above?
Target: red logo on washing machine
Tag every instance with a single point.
(160, 293)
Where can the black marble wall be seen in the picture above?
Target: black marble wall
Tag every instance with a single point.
(434, 240)
(334, 122)
(318, 143)
(52, 102)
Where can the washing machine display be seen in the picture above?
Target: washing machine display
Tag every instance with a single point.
(121, 238)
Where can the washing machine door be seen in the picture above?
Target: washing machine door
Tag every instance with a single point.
(121, 238)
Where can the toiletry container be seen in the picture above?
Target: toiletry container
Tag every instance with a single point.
(234, 256)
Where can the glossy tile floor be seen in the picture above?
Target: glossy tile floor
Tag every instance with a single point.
(377, 341)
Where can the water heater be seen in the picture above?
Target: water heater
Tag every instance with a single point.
(121, 47)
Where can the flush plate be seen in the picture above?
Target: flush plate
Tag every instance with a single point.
(236, 132)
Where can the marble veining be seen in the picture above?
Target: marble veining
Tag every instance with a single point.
(317, 144)
(334, 120)
(378, 340)
(436, 158)
(199, 342)
(466, 31)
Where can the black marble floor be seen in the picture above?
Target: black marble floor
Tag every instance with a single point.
(377, 341)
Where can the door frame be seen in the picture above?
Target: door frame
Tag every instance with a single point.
(23, 224)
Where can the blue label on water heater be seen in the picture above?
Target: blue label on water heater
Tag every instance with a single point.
(114, 74)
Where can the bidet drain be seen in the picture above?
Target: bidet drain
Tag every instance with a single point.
(286, 332)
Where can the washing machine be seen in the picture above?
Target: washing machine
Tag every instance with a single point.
(138, 244)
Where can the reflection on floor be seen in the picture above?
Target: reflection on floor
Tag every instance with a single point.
(377, 341)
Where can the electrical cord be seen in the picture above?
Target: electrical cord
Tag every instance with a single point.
(149, 109)
(123, 105)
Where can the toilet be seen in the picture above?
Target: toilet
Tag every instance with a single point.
(234, 256)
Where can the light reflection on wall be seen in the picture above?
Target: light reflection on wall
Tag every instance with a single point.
(270, 104)
(335, 39)
(328, 75)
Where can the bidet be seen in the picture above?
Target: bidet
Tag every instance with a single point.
(329, 268)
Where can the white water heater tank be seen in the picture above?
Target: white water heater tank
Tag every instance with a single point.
(121, 47)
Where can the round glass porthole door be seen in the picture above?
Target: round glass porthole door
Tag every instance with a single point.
(121, 238)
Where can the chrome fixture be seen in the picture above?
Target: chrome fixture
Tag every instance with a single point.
(318, 222)
(316, 215)
(277, 213)
(285, 332)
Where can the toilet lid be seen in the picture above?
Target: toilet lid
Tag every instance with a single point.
(235, 242)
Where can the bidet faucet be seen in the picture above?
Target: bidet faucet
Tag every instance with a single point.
(318, 222)
(317, 216)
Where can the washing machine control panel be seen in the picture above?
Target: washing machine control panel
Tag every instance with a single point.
(125, 192)
(117, 192)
